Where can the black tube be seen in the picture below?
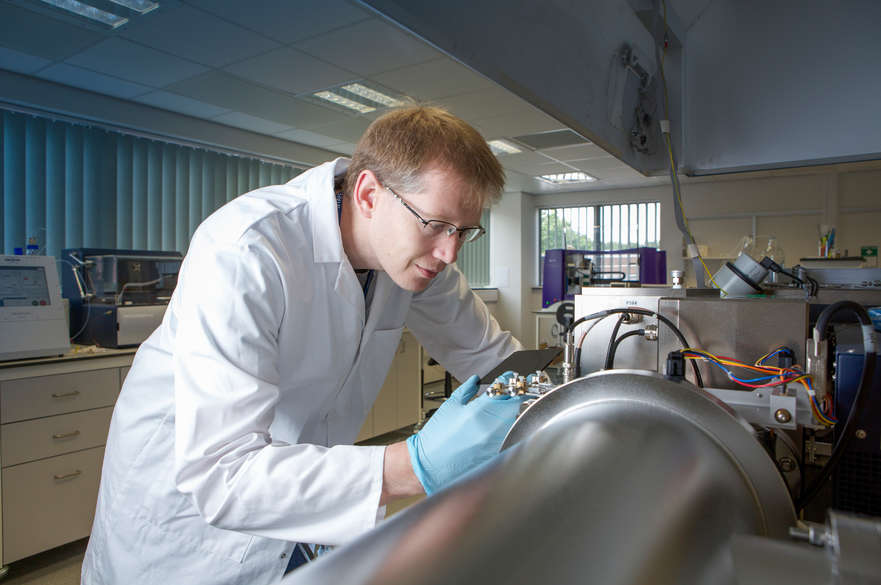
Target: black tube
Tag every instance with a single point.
(607, 365)
(697, 375)
(868, 374)
(610, 359)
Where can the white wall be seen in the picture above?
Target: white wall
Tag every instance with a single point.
(508, 247)
(789, 205)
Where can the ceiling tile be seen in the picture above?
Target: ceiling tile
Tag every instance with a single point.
(527, 121)
(42, 35)
(97, 82)
(249, 122)
(578, 152)
(346, 130)
(12, 60)
(227, 91)
(307, 137)
(532, 163)
(369, 47)
(486, 103)
(196, 35)
(283, 20)
(291, 70)
(127, 60)
(434, 79)
(180, 104)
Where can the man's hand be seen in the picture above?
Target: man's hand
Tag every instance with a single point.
(462, 434)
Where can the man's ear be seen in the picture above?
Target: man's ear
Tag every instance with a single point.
(365, 193)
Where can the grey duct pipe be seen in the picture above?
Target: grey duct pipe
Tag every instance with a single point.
(619, 478)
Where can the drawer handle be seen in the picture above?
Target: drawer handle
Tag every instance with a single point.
(68, 475)
(65, 394)
(65, 435)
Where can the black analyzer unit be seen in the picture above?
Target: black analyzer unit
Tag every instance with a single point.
(117, 297)
(857, 479)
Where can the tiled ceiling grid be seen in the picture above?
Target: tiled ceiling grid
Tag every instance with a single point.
(255, 65)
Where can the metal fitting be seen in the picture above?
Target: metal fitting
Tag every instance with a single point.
(651, 332)
(631, 318)
(861, 434)
(786, 464)
(782, 415)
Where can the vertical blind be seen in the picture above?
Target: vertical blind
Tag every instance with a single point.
(68, 185)
(473, 258)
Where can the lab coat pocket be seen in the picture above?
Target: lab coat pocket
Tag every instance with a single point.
(171, 515)
(362, 385)
(377, 355)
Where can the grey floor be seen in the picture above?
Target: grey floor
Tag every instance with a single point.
(61, 566)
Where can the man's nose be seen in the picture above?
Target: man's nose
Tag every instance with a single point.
(446, 249)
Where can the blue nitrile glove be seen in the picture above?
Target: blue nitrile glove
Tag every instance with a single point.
(461, 435)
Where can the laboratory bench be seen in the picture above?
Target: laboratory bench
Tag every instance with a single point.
(54, 418)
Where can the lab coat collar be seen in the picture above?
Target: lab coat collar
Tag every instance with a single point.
(317, 187)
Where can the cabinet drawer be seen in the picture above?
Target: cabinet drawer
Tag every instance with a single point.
(49, 503)
(39, 396)
(54, 435)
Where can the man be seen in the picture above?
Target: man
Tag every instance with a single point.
(232, 437)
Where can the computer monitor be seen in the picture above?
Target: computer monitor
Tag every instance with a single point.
(32, 319)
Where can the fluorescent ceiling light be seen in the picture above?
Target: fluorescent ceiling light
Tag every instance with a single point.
(90, 12)
(502, 147)
(567, 178)
(372, 95)
(139, 6)
(343, 101)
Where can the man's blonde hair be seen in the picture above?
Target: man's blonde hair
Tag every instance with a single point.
(399, 146)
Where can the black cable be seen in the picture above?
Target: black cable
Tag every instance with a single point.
(697, 375)
(607, 365)
(868, 374)
(610, 360)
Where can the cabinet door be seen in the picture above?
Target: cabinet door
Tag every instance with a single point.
(50, 502)
(385, 409)
(409, 398)
(367, 428)
(53, 435)
(39, 396)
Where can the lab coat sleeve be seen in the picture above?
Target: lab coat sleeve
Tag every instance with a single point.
(231, 301)
(454, 325)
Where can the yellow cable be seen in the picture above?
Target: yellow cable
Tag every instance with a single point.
(668, 141)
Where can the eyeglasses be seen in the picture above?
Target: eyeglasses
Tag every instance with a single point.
(437, 227)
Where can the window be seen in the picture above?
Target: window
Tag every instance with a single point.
(598, 227)
(474, 257)
(68, 185)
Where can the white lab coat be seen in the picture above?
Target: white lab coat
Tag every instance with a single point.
(231, 438)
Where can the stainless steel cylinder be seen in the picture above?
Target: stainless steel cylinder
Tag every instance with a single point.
(619, 478)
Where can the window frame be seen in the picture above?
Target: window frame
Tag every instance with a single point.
(598, 227)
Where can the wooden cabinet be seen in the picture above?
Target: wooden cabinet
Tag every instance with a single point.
(54, 419)
(400, 399)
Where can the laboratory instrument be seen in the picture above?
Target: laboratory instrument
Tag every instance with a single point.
(33, 321)
(117, 297)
